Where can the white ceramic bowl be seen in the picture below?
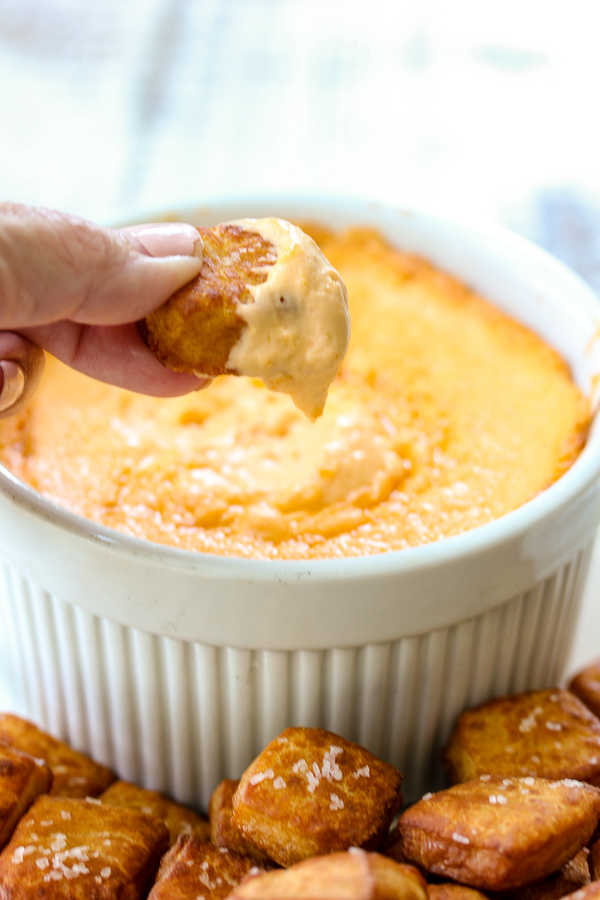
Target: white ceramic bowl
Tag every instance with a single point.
(176, 668)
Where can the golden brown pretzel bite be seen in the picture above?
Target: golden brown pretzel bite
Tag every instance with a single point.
(179, 819)
(548, 733)
(22, 779)
(312, 792)
(585, 684)
(222, 833)
(73, 774)
(498, 833)
(266, 304)
(194, 868)
(356, 875)
(81, 849)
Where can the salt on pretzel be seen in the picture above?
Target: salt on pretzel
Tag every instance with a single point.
(266, 304)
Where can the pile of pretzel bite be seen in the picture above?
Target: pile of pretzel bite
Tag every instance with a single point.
(311, 818)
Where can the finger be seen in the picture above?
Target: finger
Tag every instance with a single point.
(115, 354)
(21, 368)
(54, 266)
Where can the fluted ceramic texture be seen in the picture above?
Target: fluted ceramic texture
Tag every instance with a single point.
(179, 717)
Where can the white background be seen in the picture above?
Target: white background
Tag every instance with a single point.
(482, 108)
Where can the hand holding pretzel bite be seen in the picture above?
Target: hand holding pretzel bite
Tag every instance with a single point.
(266, 303)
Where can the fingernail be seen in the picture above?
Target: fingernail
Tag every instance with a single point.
(167, 238)
(13, 384)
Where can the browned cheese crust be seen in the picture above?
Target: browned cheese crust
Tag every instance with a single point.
(498, 833)
(195, 330)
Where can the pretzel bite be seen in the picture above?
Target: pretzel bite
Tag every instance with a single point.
(356, 875)
(548, 733)
(594, 860)
(586, 685)
(589, 892)
(73, 774)
(311, 792)
(222, 834)
(22, 779)
(573, 875)
(81, 849)
(266, 304)
(448, 890)
(194, 868)
(178, 819)
(498, 833)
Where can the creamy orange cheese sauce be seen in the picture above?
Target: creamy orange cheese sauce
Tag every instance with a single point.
(297, 327)
(446, 415)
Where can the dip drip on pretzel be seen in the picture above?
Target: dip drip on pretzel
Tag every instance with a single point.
(266, 303)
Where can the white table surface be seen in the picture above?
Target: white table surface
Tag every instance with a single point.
(485, 109)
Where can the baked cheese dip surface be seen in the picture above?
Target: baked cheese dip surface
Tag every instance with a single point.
(446, 415)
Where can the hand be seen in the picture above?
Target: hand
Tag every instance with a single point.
(77, 290)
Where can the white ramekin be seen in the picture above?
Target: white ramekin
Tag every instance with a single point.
(175, 668)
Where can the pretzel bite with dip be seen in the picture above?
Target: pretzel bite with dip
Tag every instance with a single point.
(498, 833)
(548, 733)
(266, 303)
(311, 792)
(356, 875)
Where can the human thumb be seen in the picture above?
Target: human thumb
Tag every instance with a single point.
(54, 266)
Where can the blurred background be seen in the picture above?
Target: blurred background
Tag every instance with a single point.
(483, 108)
(487, 110)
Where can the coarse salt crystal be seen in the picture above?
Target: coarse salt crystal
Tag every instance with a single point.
(300, 766)
(336, 802)
(261, 776)
(279, 783)
(460, 838)
(105, 872)
(43, 862)
(363, 772)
